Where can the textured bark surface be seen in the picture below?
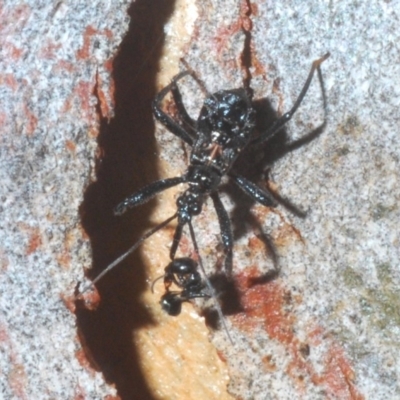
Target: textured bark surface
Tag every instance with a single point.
(77, 136)
(55, 65)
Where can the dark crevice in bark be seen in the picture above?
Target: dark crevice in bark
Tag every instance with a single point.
(127, 162)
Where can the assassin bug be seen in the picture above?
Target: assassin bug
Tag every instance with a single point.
(225, 126)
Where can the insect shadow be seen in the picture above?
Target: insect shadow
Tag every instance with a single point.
(263, 157)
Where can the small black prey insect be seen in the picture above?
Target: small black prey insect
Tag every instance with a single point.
(225, 126)
(183, 273)
(223, 129)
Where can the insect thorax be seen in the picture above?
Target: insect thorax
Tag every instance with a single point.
(224, 128)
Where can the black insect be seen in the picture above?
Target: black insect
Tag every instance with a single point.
(184, 274)
(225, 126)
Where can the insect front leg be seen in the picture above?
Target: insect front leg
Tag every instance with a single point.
(188, 122)
(165, 119)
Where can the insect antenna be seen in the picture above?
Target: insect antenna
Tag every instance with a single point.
(129, 251)
(155, 281)
(208, 283)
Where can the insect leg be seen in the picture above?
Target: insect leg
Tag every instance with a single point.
(208, 283)
(279, 123)
(176, 239)
(188, 122)
(130, 250)
(258, 194)
(164, 118)
(147, 193)
(226, 231)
